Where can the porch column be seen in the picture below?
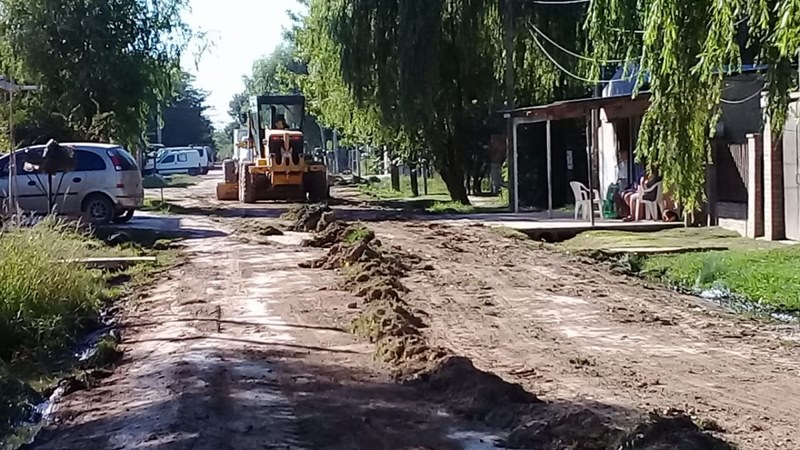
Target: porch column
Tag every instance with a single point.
(513, 172)
(549, 171)
(774, 219)
(755, 188)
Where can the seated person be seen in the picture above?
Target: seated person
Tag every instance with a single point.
(632, 198)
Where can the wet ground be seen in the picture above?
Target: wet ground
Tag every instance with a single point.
(239, 348)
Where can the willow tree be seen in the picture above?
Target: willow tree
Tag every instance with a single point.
(685, 48)
(430, 73)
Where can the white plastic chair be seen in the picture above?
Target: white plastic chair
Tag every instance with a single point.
(583, 201)
(651, 207)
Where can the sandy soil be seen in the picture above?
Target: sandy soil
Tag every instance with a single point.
(574, 333)
(239, 348)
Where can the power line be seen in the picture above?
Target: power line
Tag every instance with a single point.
(570, 52)
(562, 68)
(744, 100)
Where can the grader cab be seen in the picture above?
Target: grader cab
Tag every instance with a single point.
(271, 163)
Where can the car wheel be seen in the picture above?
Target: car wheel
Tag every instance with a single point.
(124, 217)
(204, 171)
(194, 172)
(99, 210)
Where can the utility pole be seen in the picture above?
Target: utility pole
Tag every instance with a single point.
(12, 159)
(508, 16)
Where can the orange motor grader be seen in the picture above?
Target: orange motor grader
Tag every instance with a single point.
(272, 164)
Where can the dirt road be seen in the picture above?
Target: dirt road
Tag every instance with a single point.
(239, 348)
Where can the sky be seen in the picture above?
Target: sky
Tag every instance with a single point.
(238, 33)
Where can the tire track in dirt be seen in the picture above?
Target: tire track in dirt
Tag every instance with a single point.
(571, 331)
(190, 380)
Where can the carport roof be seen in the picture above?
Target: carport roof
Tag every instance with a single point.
(574, 109)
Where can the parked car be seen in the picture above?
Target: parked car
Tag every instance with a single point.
(106, 185)
(170, 161)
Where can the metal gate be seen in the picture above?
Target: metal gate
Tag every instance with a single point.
(791, 172)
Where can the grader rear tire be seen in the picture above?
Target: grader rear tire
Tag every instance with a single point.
(247, 188)
(229, 169)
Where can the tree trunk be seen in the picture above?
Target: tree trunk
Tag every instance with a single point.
(394, 173)
(454, 180)
(414, 180)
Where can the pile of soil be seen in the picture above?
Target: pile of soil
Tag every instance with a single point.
(374, 273)
(307, 218)
(329, 232)
(675, 430)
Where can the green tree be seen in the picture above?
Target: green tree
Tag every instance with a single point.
(102, 65)
(184, 120)
(685, 48)
(429, 73)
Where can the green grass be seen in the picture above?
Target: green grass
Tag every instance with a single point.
(758, 271)
(768, 277)
(357, 233)
(44, 301)
(169, 181)
(451, 208)
(48, 303)
(676, 237)
(383, 190)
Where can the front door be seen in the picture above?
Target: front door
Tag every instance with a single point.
(791, 173)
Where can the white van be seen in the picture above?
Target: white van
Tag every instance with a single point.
(170, 161)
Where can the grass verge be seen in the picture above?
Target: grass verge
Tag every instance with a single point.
(761, 272)
(48, 305)
(169, 181)
(768, 277)
(382, 190)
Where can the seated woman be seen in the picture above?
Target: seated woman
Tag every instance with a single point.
(632, 198)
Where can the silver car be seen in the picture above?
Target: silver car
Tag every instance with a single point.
(106, 185)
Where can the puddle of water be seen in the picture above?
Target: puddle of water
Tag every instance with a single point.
(476, 440)
(723, 297)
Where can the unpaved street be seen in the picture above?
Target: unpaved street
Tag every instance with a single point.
(240, 348)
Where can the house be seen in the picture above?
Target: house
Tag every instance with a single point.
(741, 115)
(753, 179)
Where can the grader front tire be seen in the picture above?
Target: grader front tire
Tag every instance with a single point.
(247, 188)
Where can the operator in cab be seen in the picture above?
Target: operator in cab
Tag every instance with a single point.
(280, 122)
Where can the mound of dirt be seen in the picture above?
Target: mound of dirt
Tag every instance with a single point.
(345, 254)
(587, 430)
(331, 231)
(306, 218)
(666, 432)
(259, 228)
(475, 394)
(583, 429)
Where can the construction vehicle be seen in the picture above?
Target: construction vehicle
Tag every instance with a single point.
(271, 162)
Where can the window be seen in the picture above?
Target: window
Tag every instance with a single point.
(201, 152)
(86, 161)
(169, 159)
(182, 157)
(126, 159)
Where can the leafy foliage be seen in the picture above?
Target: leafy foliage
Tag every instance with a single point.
(102, 65)
(686, 47)
(184, 120)
(425, 77)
